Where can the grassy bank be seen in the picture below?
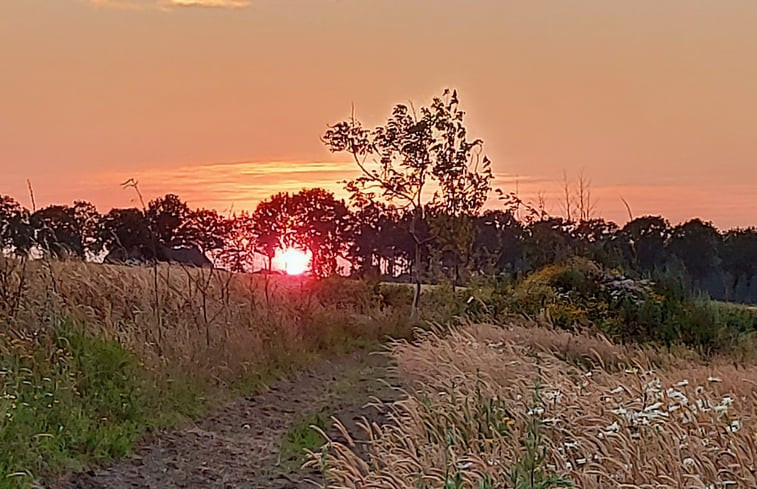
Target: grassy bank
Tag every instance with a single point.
(95, 356)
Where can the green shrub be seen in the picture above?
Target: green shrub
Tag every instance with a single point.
(579, 294)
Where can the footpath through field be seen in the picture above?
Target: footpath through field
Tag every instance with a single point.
(240, 445)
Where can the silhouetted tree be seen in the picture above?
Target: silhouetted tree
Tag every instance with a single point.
(597, 239)
(15, 231)
(168, 217)
(206, 229)
(56, 232)
(88, 221)
(126, 229)
(739, 254)
(320, 224)
(547, 241)
(363, 250)
(454, 235)
(238, 251)
(499, 242)
(413, 150)
(272, 224)
(646, 239)
(696, 244)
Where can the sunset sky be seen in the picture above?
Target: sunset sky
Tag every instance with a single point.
(224, 101)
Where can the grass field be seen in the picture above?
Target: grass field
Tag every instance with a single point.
(528, 407)
(93, 356)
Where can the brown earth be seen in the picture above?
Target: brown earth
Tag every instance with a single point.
(238, 445)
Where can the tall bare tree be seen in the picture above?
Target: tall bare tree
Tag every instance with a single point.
(419, 159)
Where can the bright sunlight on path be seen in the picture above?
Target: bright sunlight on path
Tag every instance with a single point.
(255, 442)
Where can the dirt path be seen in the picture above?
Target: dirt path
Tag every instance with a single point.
(238, 446)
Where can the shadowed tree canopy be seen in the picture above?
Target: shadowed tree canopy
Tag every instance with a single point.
(126, 229)
(272, 224)
(56, 232)
(311, 219)
(15, 231)
(169, 216)
(696, 244)
(647, 238)
(739, 260)
(206, 229)
(320, 224)
(238, 251)
(498, 243)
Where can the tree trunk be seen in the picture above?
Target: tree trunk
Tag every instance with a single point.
(417, 276)
(418, 260)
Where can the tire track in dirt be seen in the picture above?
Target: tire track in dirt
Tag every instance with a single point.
(237, 446)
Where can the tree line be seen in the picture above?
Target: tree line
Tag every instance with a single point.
(375, 239)
(415, 213)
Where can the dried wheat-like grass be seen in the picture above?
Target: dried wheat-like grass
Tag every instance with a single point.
(628, 418)
(200, 318)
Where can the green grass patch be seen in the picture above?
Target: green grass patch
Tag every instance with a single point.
(301, 437)
(70, 400)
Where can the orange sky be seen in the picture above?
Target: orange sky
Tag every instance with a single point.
(224, 101)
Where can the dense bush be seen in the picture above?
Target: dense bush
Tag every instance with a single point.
(580, 294)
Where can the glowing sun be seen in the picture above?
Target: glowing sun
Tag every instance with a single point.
(293, 261)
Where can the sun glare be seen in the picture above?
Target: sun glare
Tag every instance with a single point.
(292, 261)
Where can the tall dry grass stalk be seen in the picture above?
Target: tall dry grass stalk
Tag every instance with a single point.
(206, 319)
(606, 416)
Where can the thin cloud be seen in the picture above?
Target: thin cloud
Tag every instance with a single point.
(169, 4)
(208, 3)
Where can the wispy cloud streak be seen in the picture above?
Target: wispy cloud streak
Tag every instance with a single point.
(169, 4)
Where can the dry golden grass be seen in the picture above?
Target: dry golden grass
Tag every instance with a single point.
(200, 318)
(618, 417)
